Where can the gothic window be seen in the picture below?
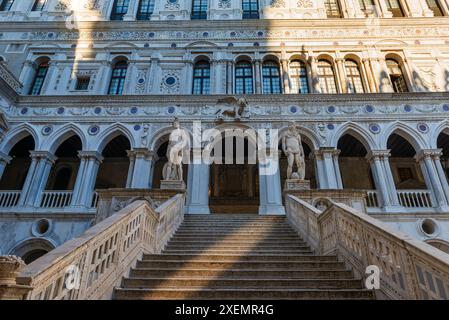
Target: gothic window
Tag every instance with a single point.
(201, 78)
(118, 78)
(6, 5)
(366, 5)
(435, 6)
(119, 9)
(199, 9)
(243, 78)
(354, 78)
(396, 76)
(250, 9)
(271, 78)
(146, 8)
(332, 8)
(394, 6)
(298, 76)
(39, 5)
(326, 76)
(39, 78)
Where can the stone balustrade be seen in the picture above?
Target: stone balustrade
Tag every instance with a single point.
(56, 199)
(410, 269)
(90, 266)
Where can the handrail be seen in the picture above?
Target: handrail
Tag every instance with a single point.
(90, 266)
(410, 269)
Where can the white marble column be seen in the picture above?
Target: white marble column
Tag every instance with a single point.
(85, 181)
(328, 169)
(198, 188)
(428, 160)
(230, 77)
(258, 76)
(37, 177)
(383, 179)
(270, 187)
(27, 75)
(141, 163)
(4, 161)
(132, 10)
(285, 75)
(314, 81)
(341, 75)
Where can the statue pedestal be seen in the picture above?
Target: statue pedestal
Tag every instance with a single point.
(296, 184)
(173, 185)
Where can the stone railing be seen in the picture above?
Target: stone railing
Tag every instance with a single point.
(372, 200)
(9, 199)
(415, 198)
(56, 199)
(410, 269)
(90, 266)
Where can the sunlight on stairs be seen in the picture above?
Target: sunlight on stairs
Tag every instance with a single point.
(239, 257)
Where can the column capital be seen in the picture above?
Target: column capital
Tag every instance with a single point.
(378, 155)
(429, 154)
(142, 153)
(326, 152)
(90, 155)
(5, 158)
(43, 155)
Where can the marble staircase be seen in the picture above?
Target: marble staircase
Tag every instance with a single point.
(239, 256)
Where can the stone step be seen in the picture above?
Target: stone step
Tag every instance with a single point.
(235, 238)
(241, 283)
(226, 242)
(337, 273)
(242, 251)
(236, 257)
(256, 265)
(242, 294)
(243, 246)
(235, 233)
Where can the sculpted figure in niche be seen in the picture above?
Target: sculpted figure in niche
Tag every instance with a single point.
(177, 142)
(292, 147)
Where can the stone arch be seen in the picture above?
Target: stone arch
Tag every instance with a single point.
(353, 56)
(406, 132)
(120, 44)
(328, 57)
(161, 136)
(443, 127)
(32, 246)
(271, 57)
(243, 57)
(17, 134)
(309, 137)
(111, 133)
(355, 131)
(202, 57)
(298, 57)
(62, 134)
(201, 44)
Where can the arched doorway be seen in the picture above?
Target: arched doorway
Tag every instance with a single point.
(63, 174)
(354, 168)
(113, 171)
(234, 176)
(407, 174)
(16, 171)
(32, 249)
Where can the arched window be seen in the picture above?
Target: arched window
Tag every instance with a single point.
(243, 78)
(332, 8)
(250, 9)
(199, 9)
(396, 76)
(271, 78)
(354, 78)
(146, 8)
(39, 78)
(6, 5)
(298, 76)
(118, 78)
(394, 6)
(201, 78)
(435, 6)
(366, 5)
(39, 5)
(326, 76)
(119, 9)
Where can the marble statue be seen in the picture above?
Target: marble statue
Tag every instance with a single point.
(234, 108)
(178, 140)
(292, 147)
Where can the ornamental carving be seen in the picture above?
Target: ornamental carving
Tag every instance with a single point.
(305, 4)
(278, 3)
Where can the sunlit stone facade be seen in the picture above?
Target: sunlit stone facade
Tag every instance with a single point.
(89, 90)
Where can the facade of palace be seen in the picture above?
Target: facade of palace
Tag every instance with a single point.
(89, 90)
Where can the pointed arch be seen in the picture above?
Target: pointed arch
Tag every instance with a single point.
(112, 132)
(161, 136)
(443, 127)
(355, 131)
(309, 137)
(406, 132)
(62, 134)
(17, 134)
